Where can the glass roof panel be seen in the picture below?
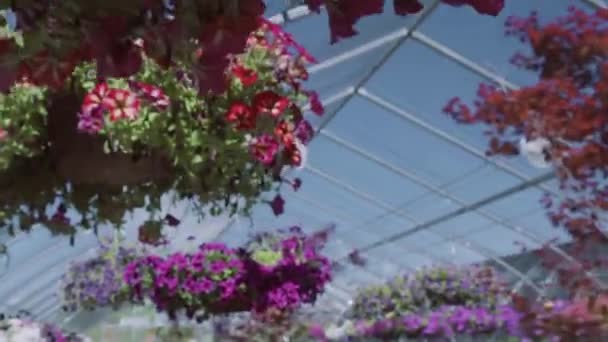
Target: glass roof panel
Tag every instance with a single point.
(387, 224)
(456, 252)
(418, 240)
(501, 240)
(430, 207)
(538, 223)
(517, 204)
(423, 92)
(460, 226)
(402, 145)
(355, 170)
(409, 260)
(329, 194)
(479, 184)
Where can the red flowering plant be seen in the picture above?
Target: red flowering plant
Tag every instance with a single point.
(123, 139)
(582, 319)
(344, 14)
(562, 118)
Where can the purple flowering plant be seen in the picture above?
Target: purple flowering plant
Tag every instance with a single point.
(447, 322)
(429, 289)
(273, 273)
(98, 281)
(285, 268)
(209, 280)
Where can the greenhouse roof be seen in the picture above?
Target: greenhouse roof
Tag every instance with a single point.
(403, 183)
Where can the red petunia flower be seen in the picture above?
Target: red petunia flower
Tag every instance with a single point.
(405, 7)
(122, 104)
(47, 70)
(269, 102)
(210, 73)
(245, 75)
(293, 155)
(344, 14)
(264, 149)
(315, 103)
(241, 114)
(304, 132)
(285, 131)
(226, 35)
(94, 99)
(153, 94)
(488, 7)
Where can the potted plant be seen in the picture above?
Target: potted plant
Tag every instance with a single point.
(104, 144)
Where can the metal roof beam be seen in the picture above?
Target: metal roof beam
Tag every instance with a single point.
(385, 57)
(382, 205)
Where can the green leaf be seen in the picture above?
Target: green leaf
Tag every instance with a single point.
(196, 138)
(107, 149)
(197, 159)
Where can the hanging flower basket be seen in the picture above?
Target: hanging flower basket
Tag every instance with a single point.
(428, 289)
(98, 282)
(218, 280)
(103, 146)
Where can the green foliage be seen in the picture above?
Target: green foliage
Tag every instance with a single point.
(23, 117)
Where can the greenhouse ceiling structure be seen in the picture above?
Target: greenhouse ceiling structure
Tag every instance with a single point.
(404, 184)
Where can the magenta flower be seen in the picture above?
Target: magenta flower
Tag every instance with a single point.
(206, 285)
(271, 103)
(277, 205)
(218, 266)
(91, 122)
(264, 149)
(304, 132)
(122, 104)
(315, 103)
(95, 98)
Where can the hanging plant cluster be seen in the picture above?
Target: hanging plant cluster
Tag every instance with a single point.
(214, 279)
(105, 145)
(209, 279)
(21, 328)
(446, 322)
(583, 319)
(566, 111)
(343, 15)
(98, 281)
(429, 289)
(55, 37)
(289, 269)
(464, 303)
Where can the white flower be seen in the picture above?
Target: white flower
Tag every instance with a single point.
(27, 334)
(536, 151)
(21, 331)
